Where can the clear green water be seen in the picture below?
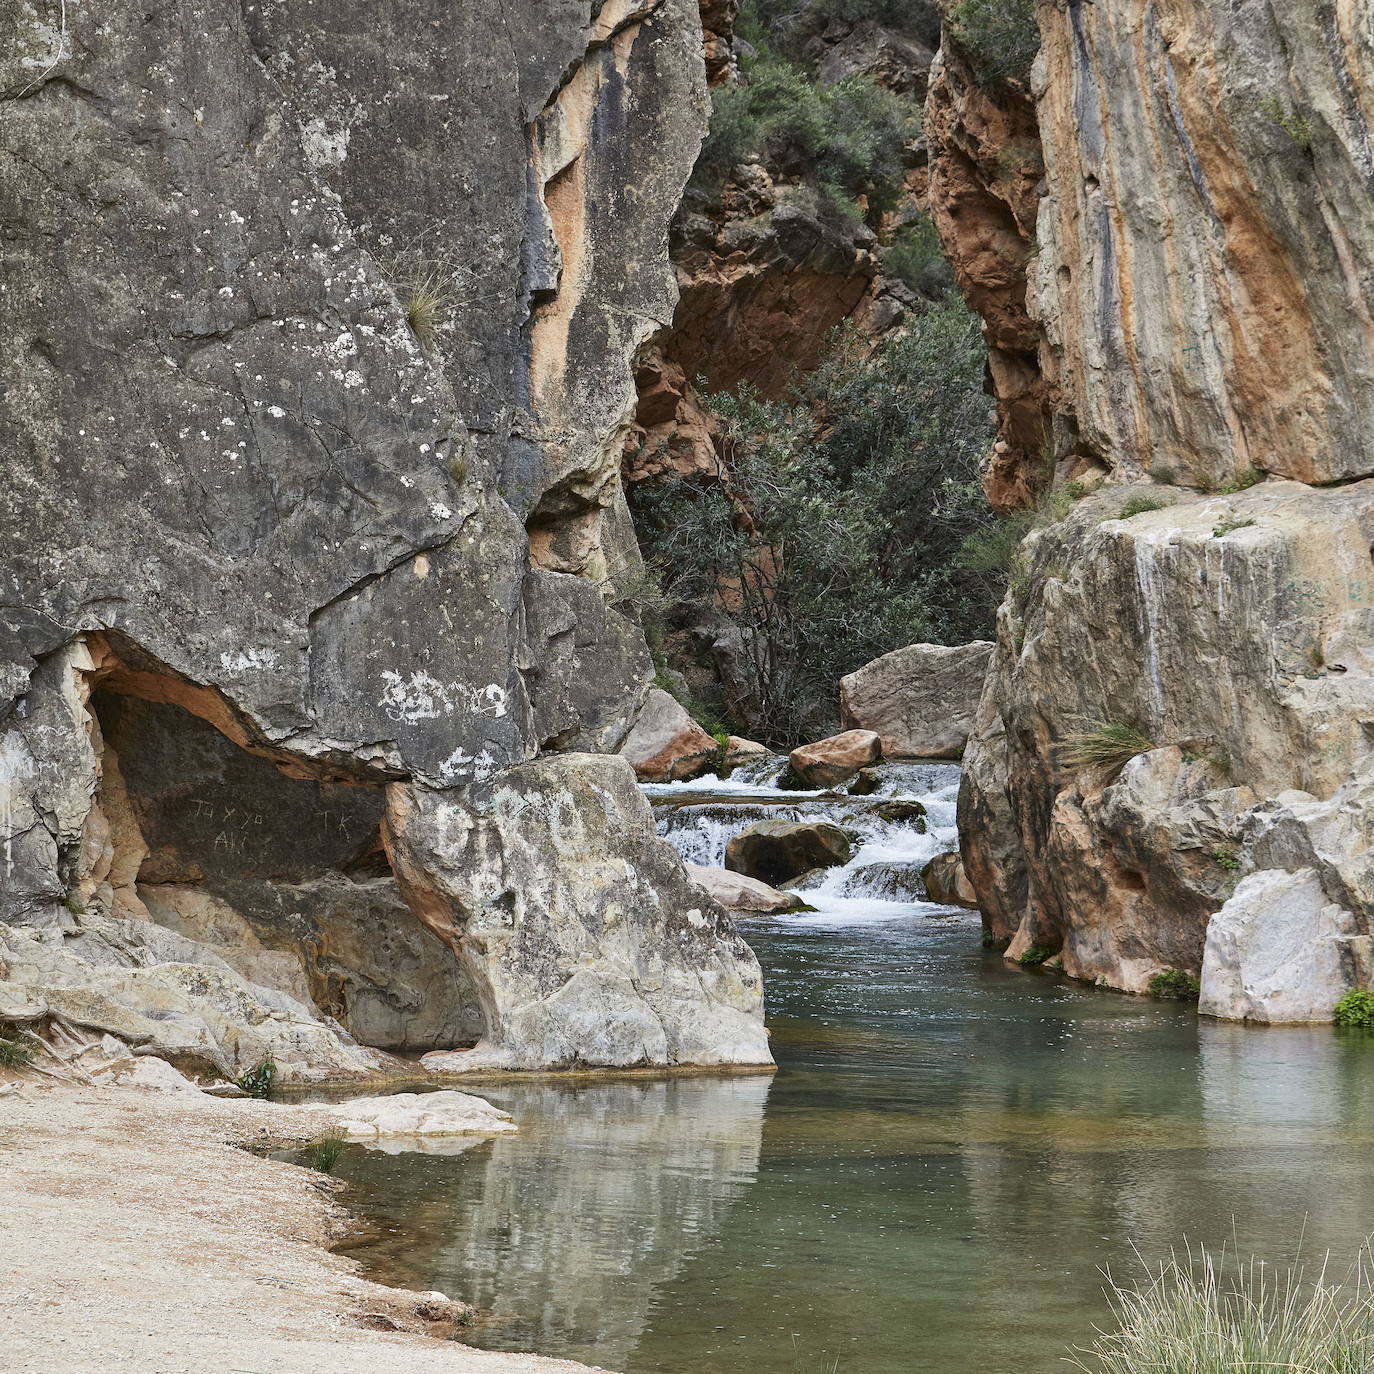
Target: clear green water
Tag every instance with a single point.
(949, 1153)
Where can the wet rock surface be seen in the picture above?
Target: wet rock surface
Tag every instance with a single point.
(775, 851)
(835, 761)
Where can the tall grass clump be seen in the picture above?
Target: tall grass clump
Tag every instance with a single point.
(14, 1053)
(1197, 1315)
(323, 1154)
(1113, 744)
(430, 284)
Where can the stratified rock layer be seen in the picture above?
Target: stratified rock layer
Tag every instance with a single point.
(318, 339)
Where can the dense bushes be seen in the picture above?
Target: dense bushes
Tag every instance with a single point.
(1001, 38)
(831, 537)
(916, 259)
(848, 138)
(786, 25)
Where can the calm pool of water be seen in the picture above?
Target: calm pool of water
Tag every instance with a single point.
(949, 1154)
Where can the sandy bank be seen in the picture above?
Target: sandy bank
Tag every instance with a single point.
(134, 1236)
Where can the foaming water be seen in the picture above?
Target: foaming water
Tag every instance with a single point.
(950, 1153)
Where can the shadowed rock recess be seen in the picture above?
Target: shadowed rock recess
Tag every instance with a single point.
(1177, 725)
(317, 332)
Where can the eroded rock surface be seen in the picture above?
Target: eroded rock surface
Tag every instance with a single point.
(319, 339)
(666, 744)
(834, 761)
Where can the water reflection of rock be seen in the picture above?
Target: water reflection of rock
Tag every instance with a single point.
(564, 1233)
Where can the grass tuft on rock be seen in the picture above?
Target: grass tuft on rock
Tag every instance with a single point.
(1356, 1008)
(1174, 985)
(1200, 1315)
(1113, 744)
(14, 1053)
(1139, 505)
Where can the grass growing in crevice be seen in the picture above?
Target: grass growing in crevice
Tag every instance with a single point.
(1139, 505)
(1112, 744)
(1206, 1314)
(430, 285)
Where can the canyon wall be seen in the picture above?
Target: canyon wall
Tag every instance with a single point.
(319, 338)
(1171, 765)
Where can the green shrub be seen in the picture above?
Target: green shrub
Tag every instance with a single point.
(1001, 38)
(1139, 505)
(1174, 985)
(916, 259)
(1191, 1316)
(1356, 1008)
(1226, 859)
(1113, 744)
(1035, 956)
(1242, 482)
(1293, 122)
(14, 1052)
(257, 1082)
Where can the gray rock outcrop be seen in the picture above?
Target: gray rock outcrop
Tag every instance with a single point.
(919, 700)
(319, 340)
(777, 851)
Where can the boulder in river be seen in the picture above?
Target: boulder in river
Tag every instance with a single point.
(402, 1114)
(740, 893)
(947, 883)
(919, 700)
(666, 744)
(776, 851)
(739, 750)
(832, 762)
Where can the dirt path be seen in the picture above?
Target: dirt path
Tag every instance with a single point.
(135, 1237)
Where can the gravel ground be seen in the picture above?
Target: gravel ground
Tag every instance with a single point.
(134, 1236)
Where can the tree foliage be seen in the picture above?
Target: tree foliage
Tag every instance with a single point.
(830, 534)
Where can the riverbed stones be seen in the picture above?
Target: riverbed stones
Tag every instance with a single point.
(920, 700)
(776, 851)
(665, 744)
(947, 883)
(740, 893)
(834, 761)
(442, 1113)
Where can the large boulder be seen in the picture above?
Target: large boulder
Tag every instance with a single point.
(738, 892)
(920, 700)
(412, 1114)
(777, 851)
(665, 744)
(1281, 950)
(947, 883)
(834, 761)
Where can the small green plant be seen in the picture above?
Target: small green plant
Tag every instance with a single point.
(1229, 525)
(1139, 505)
(14, 1052)
(1113, 744)
(1035, 956)
(1226, 859)
(1000, 37)
(257, 1082)
(1356, 1008)
(323, 1154)
(1293, 122)
(1192, 1316)
(1174, 985)
(1242, 482)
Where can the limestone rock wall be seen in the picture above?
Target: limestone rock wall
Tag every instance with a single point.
(319, 338)
(1200, 281)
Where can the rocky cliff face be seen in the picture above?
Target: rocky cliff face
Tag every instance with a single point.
(1202, 283)
(319, 335)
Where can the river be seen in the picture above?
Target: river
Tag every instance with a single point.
(951, 1152)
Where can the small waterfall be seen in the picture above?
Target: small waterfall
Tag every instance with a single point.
(882, 880)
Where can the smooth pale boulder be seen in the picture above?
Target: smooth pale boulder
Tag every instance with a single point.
(738, 891)
(777, 851)
(947, 883)
(739, 750)
(832, 762)
(666, 744)
(920, 700)
(428, 1114)
(1281, 950)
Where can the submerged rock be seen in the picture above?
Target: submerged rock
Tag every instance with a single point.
(665, 744)
(777, 851)
(834, 761)
(919, 700)
(739, 892)
(428, 1114)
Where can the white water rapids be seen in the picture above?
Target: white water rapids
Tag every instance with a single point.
(881, 882)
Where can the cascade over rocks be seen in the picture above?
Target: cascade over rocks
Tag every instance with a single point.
(294, 447)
